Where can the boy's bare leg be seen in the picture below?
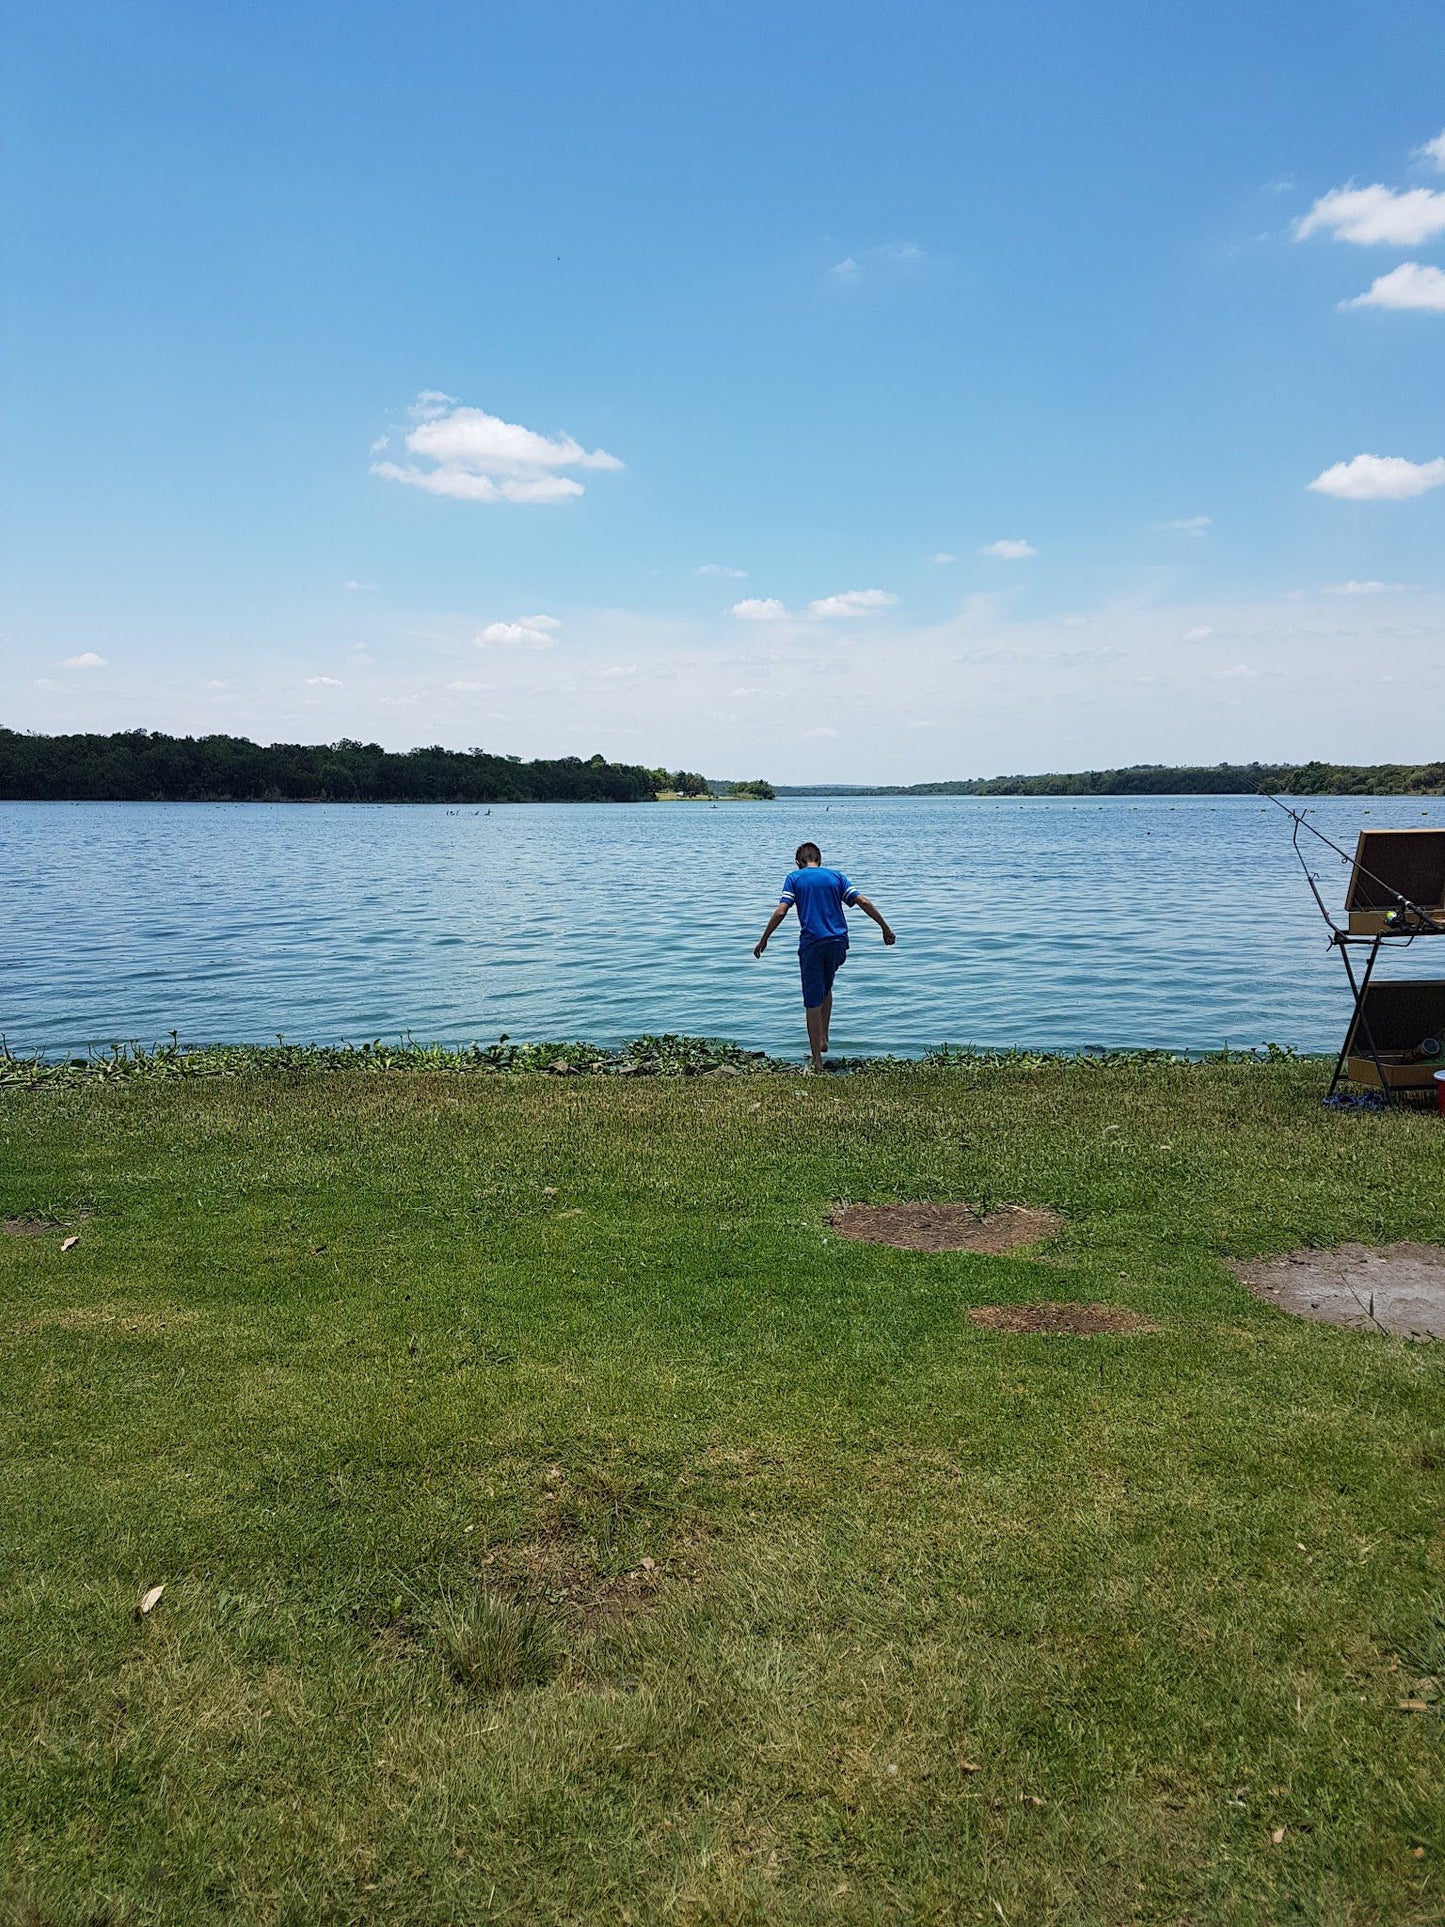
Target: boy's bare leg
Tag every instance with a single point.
(827, 1008)
(815, 1034)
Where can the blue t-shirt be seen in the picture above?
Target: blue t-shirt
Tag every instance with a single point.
(819, 896)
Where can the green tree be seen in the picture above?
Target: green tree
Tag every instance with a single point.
(338, 785)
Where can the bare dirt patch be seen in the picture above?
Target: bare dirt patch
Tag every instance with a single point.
(566, 1579)
(1398, 1289)
(1062, 1321)
(560, 1566)
(28, 1227)
(947, 1227)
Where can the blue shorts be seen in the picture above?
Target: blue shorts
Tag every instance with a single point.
(820, 962)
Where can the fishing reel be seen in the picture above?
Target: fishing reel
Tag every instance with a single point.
(1407, 921)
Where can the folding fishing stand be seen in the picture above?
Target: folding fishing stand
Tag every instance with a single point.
(1377, 931)
(1359, 1031)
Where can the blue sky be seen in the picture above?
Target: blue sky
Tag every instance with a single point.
(572, 377)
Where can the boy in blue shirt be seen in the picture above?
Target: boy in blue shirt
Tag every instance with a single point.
(818, 895)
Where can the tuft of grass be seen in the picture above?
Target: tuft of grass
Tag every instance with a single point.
(494, 1643)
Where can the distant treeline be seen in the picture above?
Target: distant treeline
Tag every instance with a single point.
(1155, 779)
(143, 766)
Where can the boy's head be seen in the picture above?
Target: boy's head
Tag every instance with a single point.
(807, 855)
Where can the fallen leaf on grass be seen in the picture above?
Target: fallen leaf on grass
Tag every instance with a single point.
(149, 1601)
(1276, 1837)
(1414, 1706)
(66, 1244)
(969, 1766)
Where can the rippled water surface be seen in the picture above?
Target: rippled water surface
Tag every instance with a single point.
(1181, 922)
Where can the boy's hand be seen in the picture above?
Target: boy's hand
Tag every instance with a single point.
(888, 935)
(760, 946)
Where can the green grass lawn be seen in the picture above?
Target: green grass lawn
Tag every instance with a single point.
(559, 1523)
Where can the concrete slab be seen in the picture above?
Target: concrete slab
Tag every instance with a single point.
(1399, 1289)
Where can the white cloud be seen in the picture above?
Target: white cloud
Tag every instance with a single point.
(942, 559)
(464, 486)
(1009, 549)
(1379, 478)
(852, 602)
(323, 682)
(1186, 525)
(1200, 633)
(821, 730)
(1411, 285)
(1401, 217)
(1362, 588)
(721, 568)
(88, 659)
(1240, 672)
(621, 669)
(476, 457)
(1433, 151)
(829, 608)
(467, 687)
(359, 588)
(906, 253)
(527, 632)
(476, 440)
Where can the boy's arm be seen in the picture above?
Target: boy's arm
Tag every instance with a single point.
(773, 921)
(872, 910)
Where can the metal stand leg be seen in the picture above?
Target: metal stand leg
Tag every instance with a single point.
(1359, 1023)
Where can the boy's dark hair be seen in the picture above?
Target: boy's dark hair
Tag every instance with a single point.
(807, 853)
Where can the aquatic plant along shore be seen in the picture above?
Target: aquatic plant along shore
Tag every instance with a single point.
(642, 1057)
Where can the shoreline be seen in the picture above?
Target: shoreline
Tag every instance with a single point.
(649, 1056)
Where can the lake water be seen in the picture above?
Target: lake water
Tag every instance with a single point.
(1175, 921)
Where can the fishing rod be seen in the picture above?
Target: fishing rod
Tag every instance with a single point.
(1422, 919)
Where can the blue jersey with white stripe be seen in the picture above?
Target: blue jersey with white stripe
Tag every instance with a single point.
(818, 895)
